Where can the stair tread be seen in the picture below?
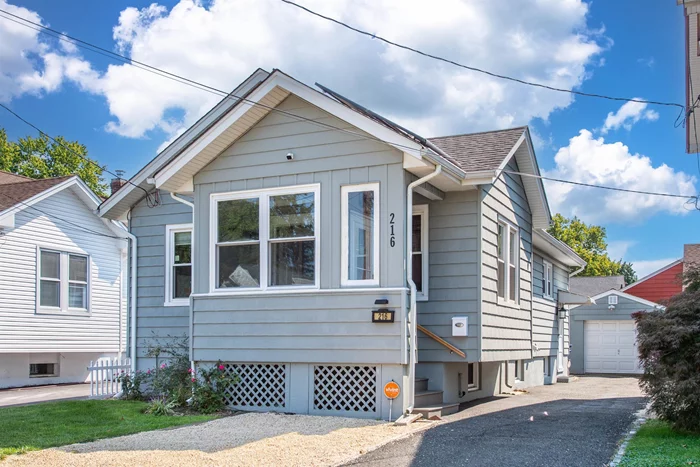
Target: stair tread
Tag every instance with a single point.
(421, 379)
(428, 392)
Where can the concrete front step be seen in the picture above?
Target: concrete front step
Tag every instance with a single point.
(421, 384)
(437, 412)
(428, 398)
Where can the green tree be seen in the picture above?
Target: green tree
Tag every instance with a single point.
(588, 241)
(42, 158)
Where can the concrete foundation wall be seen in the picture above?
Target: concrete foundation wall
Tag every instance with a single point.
(70, 368)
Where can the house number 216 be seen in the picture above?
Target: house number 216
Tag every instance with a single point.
(392, 235)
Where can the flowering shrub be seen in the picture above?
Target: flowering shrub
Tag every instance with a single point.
(209, 388)
(131, 384)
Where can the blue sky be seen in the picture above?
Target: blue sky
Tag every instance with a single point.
(624, 48)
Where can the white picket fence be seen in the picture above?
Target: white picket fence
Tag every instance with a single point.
(104, 373)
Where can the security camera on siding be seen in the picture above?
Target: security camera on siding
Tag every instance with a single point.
(290, 156)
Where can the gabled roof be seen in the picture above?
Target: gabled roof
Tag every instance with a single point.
(620, 293)
(594, 285)
(15, 193)
(655, 273)
(480, 151)
(7, 177)
(556, 249)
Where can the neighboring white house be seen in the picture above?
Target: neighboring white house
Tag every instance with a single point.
(62, 273)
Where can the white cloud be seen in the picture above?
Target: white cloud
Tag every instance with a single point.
(646, 267)
(221, 42)
(617, 249)
(627, 115)
(591, 160)
(647, 61)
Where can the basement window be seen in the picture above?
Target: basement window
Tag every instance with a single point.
(37, 370)
(473, 376)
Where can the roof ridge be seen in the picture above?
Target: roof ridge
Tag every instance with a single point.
(478, 132)
(34, 180)
(16, 175)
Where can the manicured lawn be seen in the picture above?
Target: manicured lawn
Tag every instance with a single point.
(51, 424)
(655, 444)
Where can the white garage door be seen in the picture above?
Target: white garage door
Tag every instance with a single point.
(610, 347)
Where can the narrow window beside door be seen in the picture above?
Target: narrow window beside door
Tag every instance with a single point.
(360, 234)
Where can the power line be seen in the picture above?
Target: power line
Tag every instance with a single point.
(73, 224)
(227, 95)
(148, 195)
(479, 70)
(603, 187)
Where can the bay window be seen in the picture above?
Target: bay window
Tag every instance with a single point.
(508, 259)
(178, 269)
(63, 281)
(265, 239)
(360, 234)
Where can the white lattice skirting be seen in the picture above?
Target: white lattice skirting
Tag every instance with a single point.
(260, 386)
(345, 388)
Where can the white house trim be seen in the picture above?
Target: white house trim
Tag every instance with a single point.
(620, 293)
(345, 235)
(170, 231)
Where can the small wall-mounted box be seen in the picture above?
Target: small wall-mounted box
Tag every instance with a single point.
(460, 326)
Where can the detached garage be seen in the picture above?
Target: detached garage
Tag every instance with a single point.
(604, 337)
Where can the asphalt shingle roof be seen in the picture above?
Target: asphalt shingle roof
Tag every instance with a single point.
(7, 177)
(15, 193)
(591, 286)
(479, 151)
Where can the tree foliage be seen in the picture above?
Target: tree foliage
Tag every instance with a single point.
(42, 158)
(588, 241)
(669, 350)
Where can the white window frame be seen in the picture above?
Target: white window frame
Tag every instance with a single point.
(612, 299)
(474, 386)
(170, 231)
(345, 235)
(547, 279)
(264, 236)
(509, 229)
(422, 210)
(64, 282)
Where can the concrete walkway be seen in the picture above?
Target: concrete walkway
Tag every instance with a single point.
(575, 424)
(34, 394)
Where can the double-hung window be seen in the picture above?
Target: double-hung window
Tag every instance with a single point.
(360, 234)
(508, 252)
(419, 250)
(265, 239)
(178, 272)
(63, 281)
(547, 279)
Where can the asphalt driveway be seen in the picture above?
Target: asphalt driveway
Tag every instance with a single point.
(574, 424)
(34, 394)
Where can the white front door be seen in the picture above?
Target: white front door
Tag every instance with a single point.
(560, 347)
(610, 347)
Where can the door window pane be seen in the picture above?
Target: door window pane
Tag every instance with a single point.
(417, 265)
(292, 215)
(238, 220)
(50, 264)
(182, 281)
(239, 266)
(361, 235)
(183, 248)
(513, 283)
(293, 263)
(416, 239)
(77, 296)
(77, 268)
(49, 294)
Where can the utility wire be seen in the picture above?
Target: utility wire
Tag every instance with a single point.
(479, 70)
(148, 195)
(227, 95)
(73, 224)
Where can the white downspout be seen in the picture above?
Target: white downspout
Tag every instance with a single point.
(132, 297)
(191, 205)
(411, 316)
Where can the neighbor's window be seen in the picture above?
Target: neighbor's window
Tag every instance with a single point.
(63, 281)
(547, 279)
(178, 274)
(266, 238)
(508, 260)
(419, 255)
(472, 376)
(360, 234)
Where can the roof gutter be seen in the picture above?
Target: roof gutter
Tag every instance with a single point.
(412, 315)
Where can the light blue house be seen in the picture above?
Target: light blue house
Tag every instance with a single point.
(322, 251)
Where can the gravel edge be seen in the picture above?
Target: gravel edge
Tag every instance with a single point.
(641, 417)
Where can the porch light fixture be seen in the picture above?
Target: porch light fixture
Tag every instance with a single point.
(562, 312)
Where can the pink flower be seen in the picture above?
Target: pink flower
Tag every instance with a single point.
(222, 368)
(189, 370)
(162, 366)
(148, 372)
(194, 379)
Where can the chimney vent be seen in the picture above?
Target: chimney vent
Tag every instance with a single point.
(117, 183)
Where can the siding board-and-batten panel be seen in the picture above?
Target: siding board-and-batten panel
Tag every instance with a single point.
(22, 329)
(506, 328)
(155, 321)
(453, 271)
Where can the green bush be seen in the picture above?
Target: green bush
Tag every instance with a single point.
(131, 384)
(160, 407)
(209, 388)
(669, 349)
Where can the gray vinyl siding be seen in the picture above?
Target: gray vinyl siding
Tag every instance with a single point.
(331, 159)
(506, 330)
(453, 270)
(155, 321)
(298, 328)
(545, 325)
